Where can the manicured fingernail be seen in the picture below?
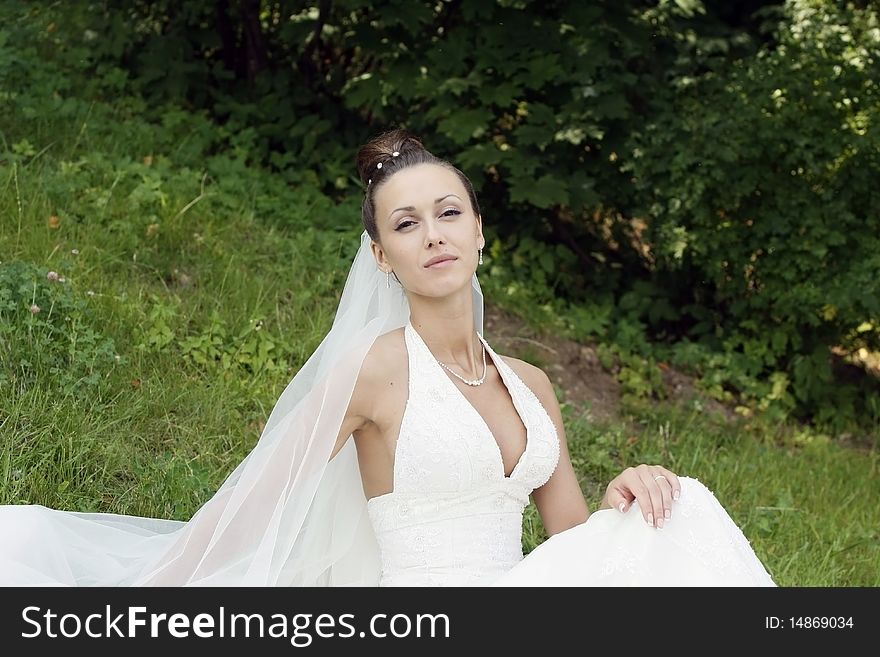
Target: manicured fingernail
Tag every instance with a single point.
(659, 523)
(676, 494)
(620, 506)
(668, 514)
(651, 519)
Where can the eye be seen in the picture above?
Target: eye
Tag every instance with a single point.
(402, 224)
(450, 210)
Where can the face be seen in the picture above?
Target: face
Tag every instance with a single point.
(423, 212)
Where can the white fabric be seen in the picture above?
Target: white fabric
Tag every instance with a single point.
(287, 515)
(454, 519)
(284, 516)
(699, 545)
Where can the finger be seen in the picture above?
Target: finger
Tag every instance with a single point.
(673, 481)
(653, 503)
(641, 488)
(662, 481)
(619, 499)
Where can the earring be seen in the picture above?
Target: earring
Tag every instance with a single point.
(388, 279)
(481, 255)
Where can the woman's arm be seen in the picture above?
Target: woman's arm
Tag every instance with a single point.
(560, 502)
(360, 406)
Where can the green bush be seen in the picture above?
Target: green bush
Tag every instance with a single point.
(659, 174)
(760, 181)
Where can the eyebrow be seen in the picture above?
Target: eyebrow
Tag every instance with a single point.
(410, 208)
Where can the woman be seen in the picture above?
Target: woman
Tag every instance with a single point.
(405, 449)
(448, 457)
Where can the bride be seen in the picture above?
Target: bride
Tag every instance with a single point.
(404, 451)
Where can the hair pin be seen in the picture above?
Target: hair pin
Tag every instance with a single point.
(379, 165)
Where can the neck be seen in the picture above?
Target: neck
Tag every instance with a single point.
(447, 328)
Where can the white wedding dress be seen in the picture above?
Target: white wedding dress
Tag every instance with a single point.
(289, 515)
(454, 518)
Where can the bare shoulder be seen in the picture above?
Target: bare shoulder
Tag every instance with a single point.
(534, 377)
(387, 352)
(384, 369)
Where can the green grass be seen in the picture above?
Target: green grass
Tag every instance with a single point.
(189, 283)
(210, 315)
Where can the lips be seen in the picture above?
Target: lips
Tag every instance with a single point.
(439, 258)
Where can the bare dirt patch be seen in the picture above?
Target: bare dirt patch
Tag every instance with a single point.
(575, 368)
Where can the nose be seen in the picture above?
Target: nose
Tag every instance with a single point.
(432, 233)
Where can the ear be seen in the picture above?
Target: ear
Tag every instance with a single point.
(480, 238)
(381, 258)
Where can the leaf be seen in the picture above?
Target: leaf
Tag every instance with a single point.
(502, 94)
(542, 193)
(530, 135)
(478, 157)
(464, 125)
(363, 92)
(457, 86)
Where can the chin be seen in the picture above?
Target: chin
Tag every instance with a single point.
(447, 287)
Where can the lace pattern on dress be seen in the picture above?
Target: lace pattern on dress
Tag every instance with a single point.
(453, 516)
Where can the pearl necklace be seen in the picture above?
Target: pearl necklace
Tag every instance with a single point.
(474, 382)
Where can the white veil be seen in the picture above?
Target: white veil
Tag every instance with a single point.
(287, 515)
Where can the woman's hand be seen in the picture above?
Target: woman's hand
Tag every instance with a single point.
(653, 486)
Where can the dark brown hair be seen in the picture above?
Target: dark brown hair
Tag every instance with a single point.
(379, 150)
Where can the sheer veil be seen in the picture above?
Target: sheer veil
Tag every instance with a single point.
(287, 515)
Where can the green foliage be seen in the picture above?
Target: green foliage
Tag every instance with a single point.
(768, 201)
(213, 211)
(661, 174)
(216, 347)
(50, 333)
